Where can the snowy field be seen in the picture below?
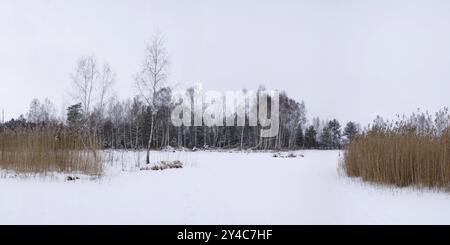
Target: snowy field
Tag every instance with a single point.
(218, 188)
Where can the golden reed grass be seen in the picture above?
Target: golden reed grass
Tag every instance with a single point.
(400, 157)
(48, 150)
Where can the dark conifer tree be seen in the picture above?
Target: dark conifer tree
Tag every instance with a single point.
(310, 137)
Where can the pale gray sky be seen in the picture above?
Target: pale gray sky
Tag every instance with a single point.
(346, 59)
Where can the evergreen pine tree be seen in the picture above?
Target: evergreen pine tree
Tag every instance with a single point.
(74, 116)
(310, 137)
(299, 137)
(326, 138)
(351, 130)
(335, 130)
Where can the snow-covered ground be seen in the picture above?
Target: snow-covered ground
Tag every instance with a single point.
(218, 188)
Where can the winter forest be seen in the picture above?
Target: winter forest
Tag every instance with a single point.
(144, 121)
(277, 112)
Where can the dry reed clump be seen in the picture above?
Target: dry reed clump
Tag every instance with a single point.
(401, 157)
(47, 150)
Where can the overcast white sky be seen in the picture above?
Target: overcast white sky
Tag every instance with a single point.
(347, 59)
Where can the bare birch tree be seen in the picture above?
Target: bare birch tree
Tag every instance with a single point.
(86, 73)
(152, 77)
(92, 87)
(41, 113)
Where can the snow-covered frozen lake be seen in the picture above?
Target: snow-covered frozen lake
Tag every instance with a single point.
(219, 188)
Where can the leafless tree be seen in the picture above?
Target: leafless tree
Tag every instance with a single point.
(41, 113)
(104, 87)
(92, 86)
(116, 113)
(152, 78)
(83, 80)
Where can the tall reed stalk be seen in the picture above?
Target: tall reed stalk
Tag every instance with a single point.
(44, 150)
(400, 157)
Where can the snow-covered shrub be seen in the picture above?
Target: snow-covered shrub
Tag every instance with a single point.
(163, 165)
(291, 155)
(284, 155)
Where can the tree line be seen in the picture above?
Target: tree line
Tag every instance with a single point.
(144, 121)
